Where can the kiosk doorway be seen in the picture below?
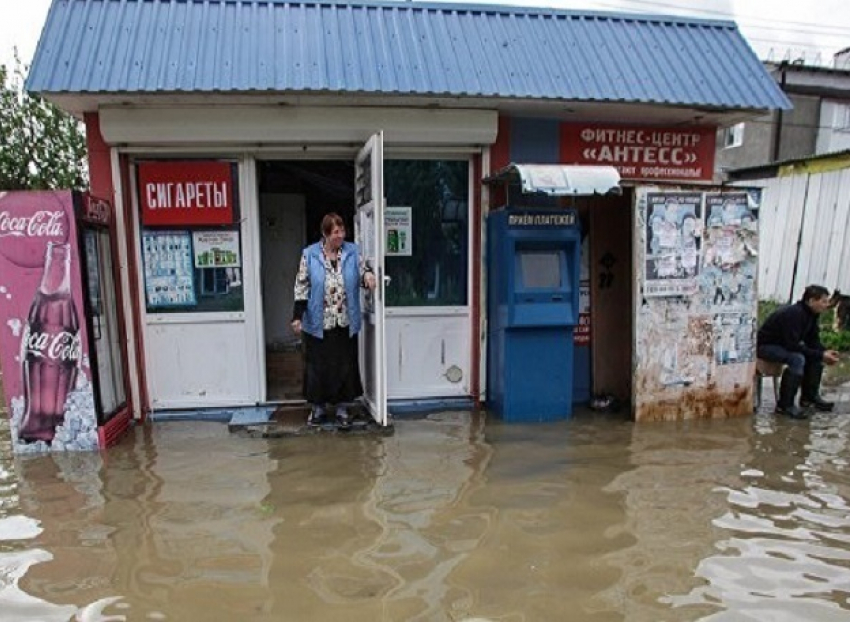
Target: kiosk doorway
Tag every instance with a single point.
(424, 335)
(294, 196)
(610, 266)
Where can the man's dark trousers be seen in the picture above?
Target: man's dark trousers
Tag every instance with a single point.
(807, 372)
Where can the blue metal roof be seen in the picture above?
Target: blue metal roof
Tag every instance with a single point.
(396, 48)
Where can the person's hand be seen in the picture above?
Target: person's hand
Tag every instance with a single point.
(369, 280)
(830, 357)
(296, 327)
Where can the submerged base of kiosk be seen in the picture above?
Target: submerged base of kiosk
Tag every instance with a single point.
(292, 421)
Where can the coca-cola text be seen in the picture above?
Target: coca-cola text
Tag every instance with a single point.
(59, 347)
(41, 224)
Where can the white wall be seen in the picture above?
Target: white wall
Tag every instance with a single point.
(834, 133)
(428, 354)
(282, 226)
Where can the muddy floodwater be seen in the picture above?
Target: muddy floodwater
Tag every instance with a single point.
(451, 518)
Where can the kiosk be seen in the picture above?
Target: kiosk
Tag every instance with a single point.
(533, 263)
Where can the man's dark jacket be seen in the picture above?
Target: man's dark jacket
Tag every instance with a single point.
(793, 327)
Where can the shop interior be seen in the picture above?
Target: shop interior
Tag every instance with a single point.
(294, 196)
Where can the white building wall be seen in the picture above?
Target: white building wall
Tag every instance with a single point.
(834, 131)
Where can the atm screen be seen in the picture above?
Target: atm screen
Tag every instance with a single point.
(541, 269)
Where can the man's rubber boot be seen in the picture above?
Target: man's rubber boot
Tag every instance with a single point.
(788, 388)
(810, 395)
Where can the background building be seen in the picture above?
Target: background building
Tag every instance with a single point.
(818, 124)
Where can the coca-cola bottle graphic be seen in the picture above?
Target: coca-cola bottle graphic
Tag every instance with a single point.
(50, 348)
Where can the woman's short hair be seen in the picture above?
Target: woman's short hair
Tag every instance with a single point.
(330, 221)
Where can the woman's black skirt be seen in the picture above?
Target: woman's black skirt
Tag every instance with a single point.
(332, 368)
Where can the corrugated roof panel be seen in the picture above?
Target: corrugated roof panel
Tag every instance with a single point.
(411, 48)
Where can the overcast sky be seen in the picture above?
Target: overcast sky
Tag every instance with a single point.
(775, 29)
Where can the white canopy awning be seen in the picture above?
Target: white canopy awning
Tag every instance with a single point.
(560, 179)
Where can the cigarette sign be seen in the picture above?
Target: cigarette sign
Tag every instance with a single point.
(648, 153)
(186, 193)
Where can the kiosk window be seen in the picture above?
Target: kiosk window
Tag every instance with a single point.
(540, 269)
(198, 271)
(427, 253)
(190, 240)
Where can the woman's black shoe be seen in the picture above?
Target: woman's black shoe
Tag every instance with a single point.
(343, 419)
(316, 418)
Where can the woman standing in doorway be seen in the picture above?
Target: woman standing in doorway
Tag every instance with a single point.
(327, 311)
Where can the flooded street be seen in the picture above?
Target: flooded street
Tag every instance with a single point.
(449, 519)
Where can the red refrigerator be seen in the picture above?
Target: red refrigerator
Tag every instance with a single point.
(62, 344)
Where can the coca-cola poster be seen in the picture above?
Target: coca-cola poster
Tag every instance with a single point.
(43, 342)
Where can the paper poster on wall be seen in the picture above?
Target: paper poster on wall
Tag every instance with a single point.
(216, 249)
(729, 221)
(734, 338)
(398, 223)
(730, 252)
(581, 333)
(673, 238)
(690, 346)
(169, 278)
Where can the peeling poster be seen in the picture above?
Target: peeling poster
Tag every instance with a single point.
(734, 338)
(673, 237)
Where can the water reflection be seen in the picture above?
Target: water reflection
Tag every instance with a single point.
(16, 603)
(783, 553)
(191, 522)
(35, 552)
(670, 495)
(378, 537)
(449, 519)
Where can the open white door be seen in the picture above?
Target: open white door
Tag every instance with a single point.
(369, 236)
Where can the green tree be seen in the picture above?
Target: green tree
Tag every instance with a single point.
(41, 147)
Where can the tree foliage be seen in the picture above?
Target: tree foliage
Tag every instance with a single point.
(41, 147)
